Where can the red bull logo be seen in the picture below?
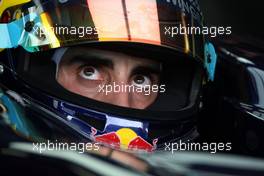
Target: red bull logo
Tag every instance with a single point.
(126, 138)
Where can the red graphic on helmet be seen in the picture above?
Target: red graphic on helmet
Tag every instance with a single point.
(109, 138)
(126, 138)
(141, 144)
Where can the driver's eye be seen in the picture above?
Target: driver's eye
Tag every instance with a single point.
(141, 81)
(90, 73)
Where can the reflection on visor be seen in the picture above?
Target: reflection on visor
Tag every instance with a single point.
(56, 24)
(130, 20)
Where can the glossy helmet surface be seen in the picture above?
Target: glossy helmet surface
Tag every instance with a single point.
(48, 31)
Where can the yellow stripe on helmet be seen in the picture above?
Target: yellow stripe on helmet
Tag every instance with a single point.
(5, 4)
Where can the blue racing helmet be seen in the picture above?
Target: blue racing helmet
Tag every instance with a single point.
(57, 45)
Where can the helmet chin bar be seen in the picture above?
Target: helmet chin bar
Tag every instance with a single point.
(82, 130)
(88, 126)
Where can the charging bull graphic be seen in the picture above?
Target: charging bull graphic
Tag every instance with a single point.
(126, 138)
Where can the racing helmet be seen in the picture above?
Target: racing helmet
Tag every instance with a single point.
(49, 34)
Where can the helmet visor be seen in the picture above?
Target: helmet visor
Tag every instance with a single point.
(53, 24)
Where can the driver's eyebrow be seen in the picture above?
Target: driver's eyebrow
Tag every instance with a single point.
(94, 60)
(147, 69)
